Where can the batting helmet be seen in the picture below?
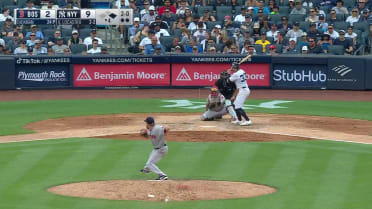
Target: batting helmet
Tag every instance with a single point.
(235, 65)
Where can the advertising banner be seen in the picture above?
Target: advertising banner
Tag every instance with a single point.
(42, 76)
(207, 74)
(119, 75)
(7, 75)
(368, 74)
(346, 73)
(299, 76)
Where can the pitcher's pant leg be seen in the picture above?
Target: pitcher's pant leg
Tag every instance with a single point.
(155, 156)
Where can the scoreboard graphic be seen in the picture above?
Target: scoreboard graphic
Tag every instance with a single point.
(73, 17)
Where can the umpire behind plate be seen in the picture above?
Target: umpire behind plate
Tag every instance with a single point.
(227, 89)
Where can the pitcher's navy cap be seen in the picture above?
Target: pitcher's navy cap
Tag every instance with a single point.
(149, 120)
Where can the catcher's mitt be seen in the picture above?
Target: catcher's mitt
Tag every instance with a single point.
(212, 105)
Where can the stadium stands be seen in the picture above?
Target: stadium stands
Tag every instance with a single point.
(223, 37)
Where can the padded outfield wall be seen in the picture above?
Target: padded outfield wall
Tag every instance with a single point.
(279, 72)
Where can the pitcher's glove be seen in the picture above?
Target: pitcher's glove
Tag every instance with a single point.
(143, 132)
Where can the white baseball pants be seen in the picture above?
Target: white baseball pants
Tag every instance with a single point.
(241, 97)
(155, 156)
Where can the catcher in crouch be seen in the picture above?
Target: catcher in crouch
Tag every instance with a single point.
(215, 107)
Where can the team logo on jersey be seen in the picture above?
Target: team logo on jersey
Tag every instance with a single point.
(84, 76)
(183, 75)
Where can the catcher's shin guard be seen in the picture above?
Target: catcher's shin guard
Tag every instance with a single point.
(231, 111)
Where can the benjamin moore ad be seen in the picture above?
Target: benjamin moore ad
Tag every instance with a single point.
(42, 76)
(299, 76)
(186, 74)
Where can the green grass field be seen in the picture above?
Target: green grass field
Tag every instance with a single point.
(307, 174)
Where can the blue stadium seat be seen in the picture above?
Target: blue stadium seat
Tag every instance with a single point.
(167, 42)
(222, 11)
(336, 50)
(340, 25)
(78, 48)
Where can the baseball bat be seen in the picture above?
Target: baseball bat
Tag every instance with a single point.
(245, 59)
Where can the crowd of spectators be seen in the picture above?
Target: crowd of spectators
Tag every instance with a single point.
(250, 26)
(46, 39)
(204, 26)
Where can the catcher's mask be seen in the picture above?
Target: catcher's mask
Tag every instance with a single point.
(235, 66)
(224, 74)
(214, 92)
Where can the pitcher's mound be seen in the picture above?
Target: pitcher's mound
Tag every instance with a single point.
(170, 190)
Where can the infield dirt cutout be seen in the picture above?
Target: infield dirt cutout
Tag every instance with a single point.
(188, 127)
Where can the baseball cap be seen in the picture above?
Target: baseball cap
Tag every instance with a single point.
(312, 24)
(218, 26)
(194, 47)
(151, 31)
(250, 8)
(304, 48)
(293, 39)
(248, 16)
(237, 30)
(32, 26)
(149, 120)
(321, 16)
(157, 18)
(341, 31)
(93, 31)
(8, 19)
(297, 24)
(304, 34)
(272, 47)
(136, 19)
(365, 11)
(152, 8)
(177, 47)
(37, 41)
(256, 25)
(158, 47)
(243, 8)
(227, 17)
(75, 31)
(59, 38)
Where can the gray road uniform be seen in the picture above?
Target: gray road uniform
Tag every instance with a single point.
(215, 107)
(160, 149)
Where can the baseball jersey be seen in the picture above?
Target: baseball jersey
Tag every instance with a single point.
(157, 136)
(240, 79)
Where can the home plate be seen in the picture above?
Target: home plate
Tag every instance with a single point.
(207, 126)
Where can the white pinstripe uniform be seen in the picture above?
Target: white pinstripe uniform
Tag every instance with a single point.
(240, 80)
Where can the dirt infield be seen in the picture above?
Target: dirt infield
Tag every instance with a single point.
(181, 190)
(187, 127)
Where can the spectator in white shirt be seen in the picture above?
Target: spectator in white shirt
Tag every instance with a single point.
(354, 17)
(88, 40)
(5, 15)
(273, 32)
(95, 49)
(331, 32)
(120, 4)
(241, 17)
(160, 31)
